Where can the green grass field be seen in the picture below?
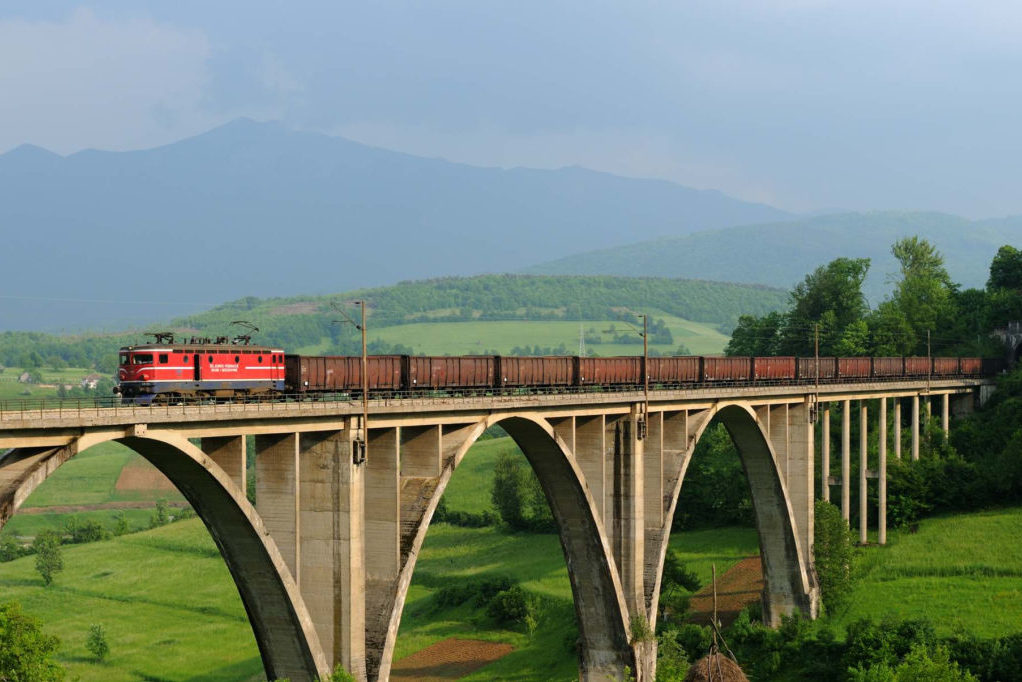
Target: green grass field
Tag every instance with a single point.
(164, 597)
(467, 338)
(958, 571)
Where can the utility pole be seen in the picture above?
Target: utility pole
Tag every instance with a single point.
(360, 445)
(645, 377)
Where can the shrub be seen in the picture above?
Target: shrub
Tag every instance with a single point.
(833, 554)
(512, 606)
(96, 642)
(48, 558)
(25, 652)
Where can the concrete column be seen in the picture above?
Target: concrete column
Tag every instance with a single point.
(945, 409)
(229, 454)
(825, 455)
(653, 471)
(332, 580)
(897, 428)
(421, 451)
(277, 493)
(915, 427)
(628, 524)
(863, 461)
(383, 505)
(591, 454)
(564, 428)
(801, 459)
(675, 446)
(882, 475)
(350, 579)
(929, 407)
(846, 460)
(779, 437)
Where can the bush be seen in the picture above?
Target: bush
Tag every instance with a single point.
(671, 661)
(48, 558)
(84, 531)
(25, 652)
(513, 606)
(833, 555)
(507, 493)
(96, 642)
(10, 549)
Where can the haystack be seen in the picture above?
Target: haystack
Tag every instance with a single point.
(715, 667)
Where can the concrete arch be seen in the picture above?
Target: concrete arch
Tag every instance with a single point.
(287, 641)
(598, 597)
(788, 580)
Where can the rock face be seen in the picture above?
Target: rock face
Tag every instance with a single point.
(715, 667)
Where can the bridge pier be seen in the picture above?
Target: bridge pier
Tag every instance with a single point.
(897, 428)
(846, 460)
(863, 471)
(825, 454)
(882, 474)
(915, 427)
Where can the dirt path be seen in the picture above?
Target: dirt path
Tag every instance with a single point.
(448, 660)
(740, 586)
(76, 508)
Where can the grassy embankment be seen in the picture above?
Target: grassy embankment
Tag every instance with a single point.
(172, 612)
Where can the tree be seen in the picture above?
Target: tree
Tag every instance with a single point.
(1006, 269)
(924, 294)
(96, 642)
(25, 652)
(507, 492)
(833, 552)
(48, 558)
(830, 296)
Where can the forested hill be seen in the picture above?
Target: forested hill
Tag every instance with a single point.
(519, 297)
(780, 254)
(311, 321)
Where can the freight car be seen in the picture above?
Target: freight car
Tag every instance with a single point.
(205, 369)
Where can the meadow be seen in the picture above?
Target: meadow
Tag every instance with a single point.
(172, 612)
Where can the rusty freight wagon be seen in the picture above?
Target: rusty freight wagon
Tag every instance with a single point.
(806, 369)
(854, 368)
(889, 367)
(621, 370)
(675, 370)
(727, 368)
(917, 366)
(945, 366)
(437, 372)
(970, 366)
(777, 368)
(552, 370)
(341, 373)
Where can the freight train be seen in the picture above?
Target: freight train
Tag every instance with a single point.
(224, 369)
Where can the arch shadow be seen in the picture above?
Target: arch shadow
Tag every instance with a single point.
(283, 630)
(596, 590)
(789, 582)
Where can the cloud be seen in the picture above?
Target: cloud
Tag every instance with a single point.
(88, 82)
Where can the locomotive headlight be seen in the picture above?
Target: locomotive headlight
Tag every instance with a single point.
(143, 376)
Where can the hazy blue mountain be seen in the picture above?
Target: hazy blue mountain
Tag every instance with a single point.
(780, 254)
(254, 209)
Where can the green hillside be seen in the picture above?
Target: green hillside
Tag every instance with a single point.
(779, 254)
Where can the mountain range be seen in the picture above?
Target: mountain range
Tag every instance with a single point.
(781, 253)
(104, 239)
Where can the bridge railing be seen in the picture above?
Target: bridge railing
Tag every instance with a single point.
(27, 409)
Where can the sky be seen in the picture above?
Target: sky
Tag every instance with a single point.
(808, 105)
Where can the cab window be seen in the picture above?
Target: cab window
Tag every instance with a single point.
(143, 358)
(124, 358)
(164, 358)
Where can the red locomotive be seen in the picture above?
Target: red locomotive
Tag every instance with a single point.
(200, 368)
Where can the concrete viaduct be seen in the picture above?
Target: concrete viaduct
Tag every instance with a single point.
(324, 559)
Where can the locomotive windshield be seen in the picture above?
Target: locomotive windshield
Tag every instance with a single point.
(143, 358)
(124, 358)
